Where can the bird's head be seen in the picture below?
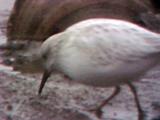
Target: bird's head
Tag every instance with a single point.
(48, 55)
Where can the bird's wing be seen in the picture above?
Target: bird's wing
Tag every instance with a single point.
(118, 45)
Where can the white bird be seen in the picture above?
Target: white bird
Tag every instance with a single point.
(102, 53)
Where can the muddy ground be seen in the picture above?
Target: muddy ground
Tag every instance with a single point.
(62, 100)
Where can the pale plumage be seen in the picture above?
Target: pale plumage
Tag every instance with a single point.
(101, 52)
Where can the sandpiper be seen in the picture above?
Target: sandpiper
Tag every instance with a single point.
(102, 53)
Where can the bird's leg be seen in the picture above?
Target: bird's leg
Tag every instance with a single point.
(98, 110)
(140, 111)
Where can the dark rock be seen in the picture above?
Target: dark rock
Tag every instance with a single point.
(39, 19)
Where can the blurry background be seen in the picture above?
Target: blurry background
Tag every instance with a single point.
(24, 24)
(38, 19)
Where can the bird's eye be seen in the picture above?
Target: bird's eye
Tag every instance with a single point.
(44, 56)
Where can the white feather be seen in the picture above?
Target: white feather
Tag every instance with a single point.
(103, 52)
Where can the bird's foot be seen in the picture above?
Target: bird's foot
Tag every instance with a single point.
(141, 115)
(97, 111)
